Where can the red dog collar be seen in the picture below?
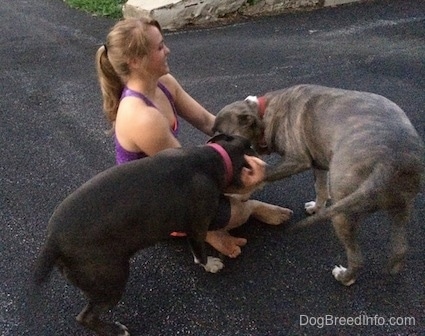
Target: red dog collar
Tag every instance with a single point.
(261, 106)
(261, 112)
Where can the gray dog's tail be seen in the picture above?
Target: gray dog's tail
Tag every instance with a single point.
(35, 301)
(363, 200)
(45, 263)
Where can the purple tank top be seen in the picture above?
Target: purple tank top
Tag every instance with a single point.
(121, 154)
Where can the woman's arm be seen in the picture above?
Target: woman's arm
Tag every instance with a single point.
(188, 108)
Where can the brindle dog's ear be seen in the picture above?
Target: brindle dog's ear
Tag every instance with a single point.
(246, 143)
(220, 137)
(249, 148)
(246, 119)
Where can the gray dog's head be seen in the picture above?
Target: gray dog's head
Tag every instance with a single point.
(241, 118)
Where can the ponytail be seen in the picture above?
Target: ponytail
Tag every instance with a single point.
(110, 84)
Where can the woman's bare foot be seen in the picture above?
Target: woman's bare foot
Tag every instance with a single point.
(224, 243)
(269, 213)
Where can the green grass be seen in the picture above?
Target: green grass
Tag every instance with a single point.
(110, 8)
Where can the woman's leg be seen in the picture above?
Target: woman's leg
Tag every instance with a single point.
(240, 211)
(224, 243)
(267, 213)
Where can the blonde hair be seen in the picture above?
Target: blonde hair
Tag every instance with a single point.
(126, 40)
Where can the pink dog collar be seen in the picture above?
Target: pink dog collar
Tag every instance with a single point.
(226, 160)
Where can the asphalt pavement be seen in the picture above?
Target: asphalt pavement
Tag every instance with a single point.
(53, 139)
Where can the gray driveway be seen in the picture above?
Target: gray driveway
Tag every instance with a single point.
(52, 140)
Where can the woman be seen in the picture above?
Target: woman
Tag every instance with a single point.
(142, 100)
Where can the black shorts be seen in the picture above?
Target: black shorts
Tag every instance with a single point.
(223, 214)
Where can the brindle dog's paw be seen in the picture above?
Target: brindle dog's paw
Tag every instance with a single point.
(213, 265)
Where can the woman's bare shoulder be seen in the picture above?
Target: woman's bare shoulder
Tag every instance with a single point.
(136, 114)
(171, 83)
(144, 129)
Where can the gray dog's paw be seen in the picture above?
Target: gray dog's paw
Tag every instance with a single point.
(311, 207)
(213, 265)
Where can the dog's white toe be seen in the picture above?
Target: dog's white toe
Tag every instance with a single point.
(338, 273)
(213, 265)
(310, 207)
(123, 329)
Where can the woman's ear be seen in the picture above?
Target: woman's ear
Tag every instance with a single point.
(252, 176)
(132, 63)
(135, 63)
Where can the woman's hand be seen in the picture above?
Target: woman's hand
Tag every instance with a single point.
(255, 175)
(252, 177)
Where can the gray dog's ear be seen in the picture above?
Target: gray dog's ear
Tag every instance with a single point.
(252, 102)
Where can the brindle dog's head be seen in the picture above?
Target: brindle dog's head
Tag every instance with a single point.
(241, 118)
(236, 147)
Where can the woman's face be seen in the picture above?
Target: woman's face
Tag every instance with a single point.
(156, 59)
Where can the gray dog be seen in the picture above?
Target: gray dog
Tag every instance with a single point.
(97, 229)
(365, 154)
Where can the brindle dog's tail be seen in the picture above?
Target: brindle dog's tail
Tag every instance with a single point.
(362, 201)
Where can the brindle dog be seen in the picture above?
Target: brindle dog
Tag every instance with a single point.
(364, 151)
(95, 231)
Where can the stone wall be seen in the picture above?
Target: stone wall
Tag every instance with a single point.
(174, 14)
